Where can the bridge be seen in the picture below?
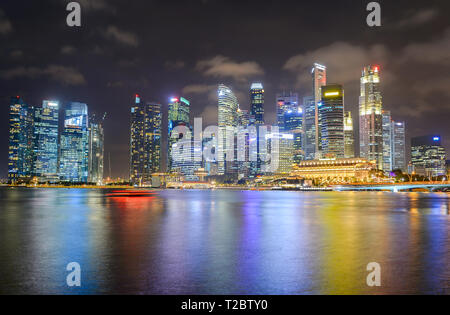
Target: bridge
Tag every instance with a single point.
(430, 186)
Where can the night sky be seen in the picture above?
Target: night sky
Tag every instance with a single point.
(167, 48)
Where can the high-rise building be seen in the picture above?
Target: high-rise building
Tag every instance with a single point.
(428, 156)
(74, 146)
(20, 154)
(257, 103)
(309, 143)
(349, 136)
(398, 147)
(46, 132)
(228, 112)
(319, 76)
(285, 101)
(145, 146)
(96, 150)
(370, 116)
(187, 158)
(387, 141)
(331, 121)
(293, 124)
(281, 149)
(179, 111)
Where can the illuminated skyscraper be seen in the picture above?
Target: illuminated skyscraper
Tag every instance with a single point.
(319, 76)
(398, 148)
(349, 136)
(228, 117)
(46, 132)
(96, 151)
(428, 155)
(74, 158)
(285, 101)
(281, 149)
(387, 141)
(20, 155)
(257, 103)
(179, 111)
(145, 146)
(309, 143)
(293, 125)
(187, 158)
(331, 121)
(370, 116)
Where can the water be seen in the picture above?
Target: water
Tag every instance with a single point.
(223, 242)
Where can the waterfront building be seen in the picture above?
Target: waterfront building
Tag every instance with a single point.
(309, 130)
(428, 156)
(293, 124)
(96, 150)
(331, 121)
(349, 136)
(179, 113)
(228, 119)
(335, 170)
(145, 146)
(20, 153)
(398, 148)
(370, 116)
(46, 133)
(387, 141)
(319, 77)
(286, 101)
(74, 146)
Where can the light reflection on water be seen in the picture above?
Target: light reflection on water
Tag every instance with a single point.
(223, 242)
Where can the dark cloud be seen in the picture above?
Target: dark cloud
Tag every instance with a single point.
(123, 37)
(224, 67)
(58, 73)
(417, 18)
(5, 24)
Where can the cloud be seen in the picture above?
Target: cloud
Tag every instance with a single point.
(97, 5)
(224, 67)
(417, 18)
(433, 52)
(126, 38)
(5, 24)
(68, 50)
(344, 62)
(16, 54)
(62, 74)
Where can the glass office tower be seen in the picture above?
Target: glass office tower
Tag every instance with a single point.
(370, 116)
(20, 153)
(46, 132)
(74, 146)
(428, 156)
(96, 150)
(179, 111)
(387, 141)
(349, 136)
(145, 141)
(293, 124)
(285, 101)
(309, 143)
(257, 103)
(331, 121)
(319, 77)
(398, 147)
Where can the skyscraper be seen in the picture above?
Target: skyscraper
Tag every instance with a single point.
(257, 103)
(428, 156)
(20, 154)
(96, 150)
(349, 136)
(293, 125)
(331, 121)
(319, 76)
(46, 132)
(370, 116)
(74, 159)
(285, 101)
(309, 143)
(228, 117)
(398, 148)
(387, 141)
(145, 146)
(179, 111)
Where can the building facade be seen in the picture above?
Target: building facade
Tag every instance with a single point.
(370, 116)
(96, 151)
(286, 101)
(21, 143)
(46, 148)
(387, 141)
(428, 156)
(331, 121)
(349, 136)
(257, 103)
(398, 147)
(293, 124)
(145, 141)
(309, 130)
(179, 113)
(74, 146)
(319, 77)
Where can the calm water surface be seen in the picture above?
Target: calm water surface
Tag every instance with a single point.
(223, 242)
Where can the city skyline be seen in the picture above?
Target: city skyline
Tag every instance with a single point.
(63, 72)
